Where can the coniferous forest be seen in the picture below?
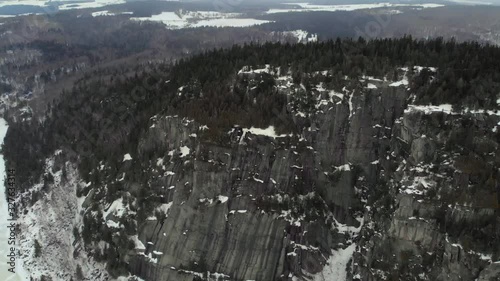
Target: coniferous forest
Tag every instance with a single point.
(114, 109)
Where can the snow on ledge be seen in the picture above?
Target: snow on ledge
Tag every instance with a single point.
(164, 208)
(112, 224)
(222, 199)
(248, 70)
(184, 151)
(107, 13)
(130, 277)
(345, 167)
(307, 7)
(268, 132)
(127, 157)
(428, 109)
(116, 208)
(448, 109)
(403, 82)
(420, 68)
(138, 244)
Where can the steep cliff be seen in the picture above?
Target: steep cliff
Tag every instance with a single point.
(281, 173)
(445, 220)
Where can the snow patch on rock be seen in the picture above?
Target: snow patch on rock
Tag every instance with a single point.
(336, 267)
(127, 157)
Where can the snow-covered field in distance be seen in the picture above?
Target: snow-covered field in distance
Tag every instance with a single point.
(23, 2)
(174, 20)
(306, 7)
(474, 2)
(235, 22)
(107, 13)
(64, 5)
(9, 8)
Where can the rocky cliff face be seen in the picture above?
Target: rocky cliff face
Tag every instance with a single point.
(373, 187)
(444, 223)
(264, 207)
(371, 178)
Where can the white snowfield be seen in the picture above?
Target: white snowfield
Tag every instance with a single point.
(66, 6)
(23, 2)
(306, 7)
(235, 22)
(178, 20)
(90, 4)
(107, 14)
(170, 19)
(472, 2)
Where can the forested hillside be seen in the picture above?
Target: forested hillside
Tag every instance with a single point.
(468, 76)
(331, 112)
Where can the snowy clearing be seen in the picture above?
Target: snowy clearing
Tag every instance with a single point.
(306, 7)
(70, 5)
(90, 4)
(175, 20)
(237, 22)
(107, 13)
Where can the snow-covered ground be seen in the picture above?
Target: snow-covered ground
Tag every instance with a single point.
(306, 7)
(107, 13)
(66, 6)
(4, 231)
(23, 2)
(177, 20)
(170, 19)
(90, 4)
(236, 22)
(301, 35)
(50, 221)
(472, 2)
(50, 7)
